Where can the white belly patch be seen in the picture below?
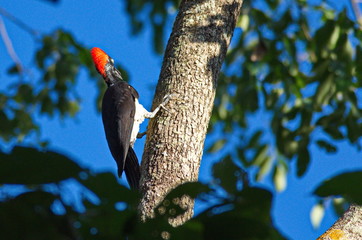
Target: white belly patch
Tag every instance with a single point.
(139, 117)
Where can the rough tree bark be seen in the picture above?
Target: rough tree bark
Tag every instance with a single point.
(348, 227)
(175, 139)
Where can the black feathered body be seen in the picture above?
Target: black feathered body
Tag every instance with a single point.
(118, 115)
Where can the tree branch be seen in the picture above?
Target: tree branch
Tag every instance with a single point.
(196, 49)
(18, 22)
(357, 12)
(347, 227)
(9, 46)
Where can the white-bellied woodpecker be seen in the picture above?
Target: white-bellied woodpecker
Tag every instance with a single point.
(122, 115)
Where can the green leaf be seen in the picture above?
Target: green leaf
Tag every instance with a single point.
(331, 120)
(334, 132)
(255, 203)
(345, 185)
(25, 94)
(47, 106)
(13, 70)
(340, 206)
(73, 108)
(172, 205)
(290, 147)
(243, 22)
(40, 198)
(316, 215)
(280, 177)
(334, 37)
(158, 38)
(192, 228)
(25, 165)
(52, 1)
(217, 146)
(326, 36)
(29, 216)
(227, 173)
(259, 16)
(264, 168)
(320, 69)
(229, 225)
(303, 161)
(353, 128)
(192, 189)
(114, 192)
(254, 140)
(328, 147)
(260, 155)
(344, 50)
(325, 91)
(247, 216)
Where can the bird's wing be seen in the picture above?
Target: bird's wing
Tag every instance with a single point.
(118, 110)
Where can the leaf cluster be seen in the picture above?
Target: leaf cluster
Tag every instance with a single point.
(302, 74)
(100, 208)
(59, 60)
(103, 209)
(154, 14)
(295, 61)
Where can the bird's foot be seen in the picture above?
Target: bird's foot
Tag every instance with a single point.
(166, 99)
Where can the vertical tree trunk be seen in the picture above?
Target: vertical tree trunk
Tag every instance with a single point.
(175, 139)
(349, 226)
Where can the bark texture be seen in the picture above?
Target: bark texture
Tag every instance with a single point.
(348, 227)
(175, 139)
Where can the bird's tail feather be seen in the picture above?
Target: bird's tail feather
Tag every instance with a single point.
(132, 169)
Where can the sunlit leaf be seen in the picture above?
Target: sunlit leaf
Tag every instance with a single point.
(217, 146)
(316, 215)
(264, 168)
(280, 177)
(260, 155)
(325, 91)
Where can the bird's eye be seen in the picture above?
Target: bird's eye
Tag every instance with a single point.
(112, 61)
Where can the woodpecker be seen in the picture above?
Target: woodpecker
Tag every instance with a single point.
(122, 115)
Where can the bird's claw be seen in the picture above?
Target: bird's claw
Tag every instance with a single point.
(164, 108)
(166, 99)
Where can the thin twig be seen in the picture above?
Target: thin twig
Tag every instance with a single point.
(357, 12)
(18, 22)
(9, 46)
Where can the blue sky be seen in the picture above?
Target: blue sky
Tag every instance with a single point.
(104, 24)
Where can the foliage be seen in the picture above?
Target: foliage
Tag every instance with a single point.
(111, 212)
(236, 209)
(342, 185)
(158, 14)
(302, 73)
(59, 59)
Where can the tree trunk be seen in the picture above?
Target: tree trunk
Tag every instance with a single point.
(349, 226)
(175, 138)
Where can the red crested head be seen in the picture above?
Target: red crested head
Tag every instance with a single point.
(100, 59)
